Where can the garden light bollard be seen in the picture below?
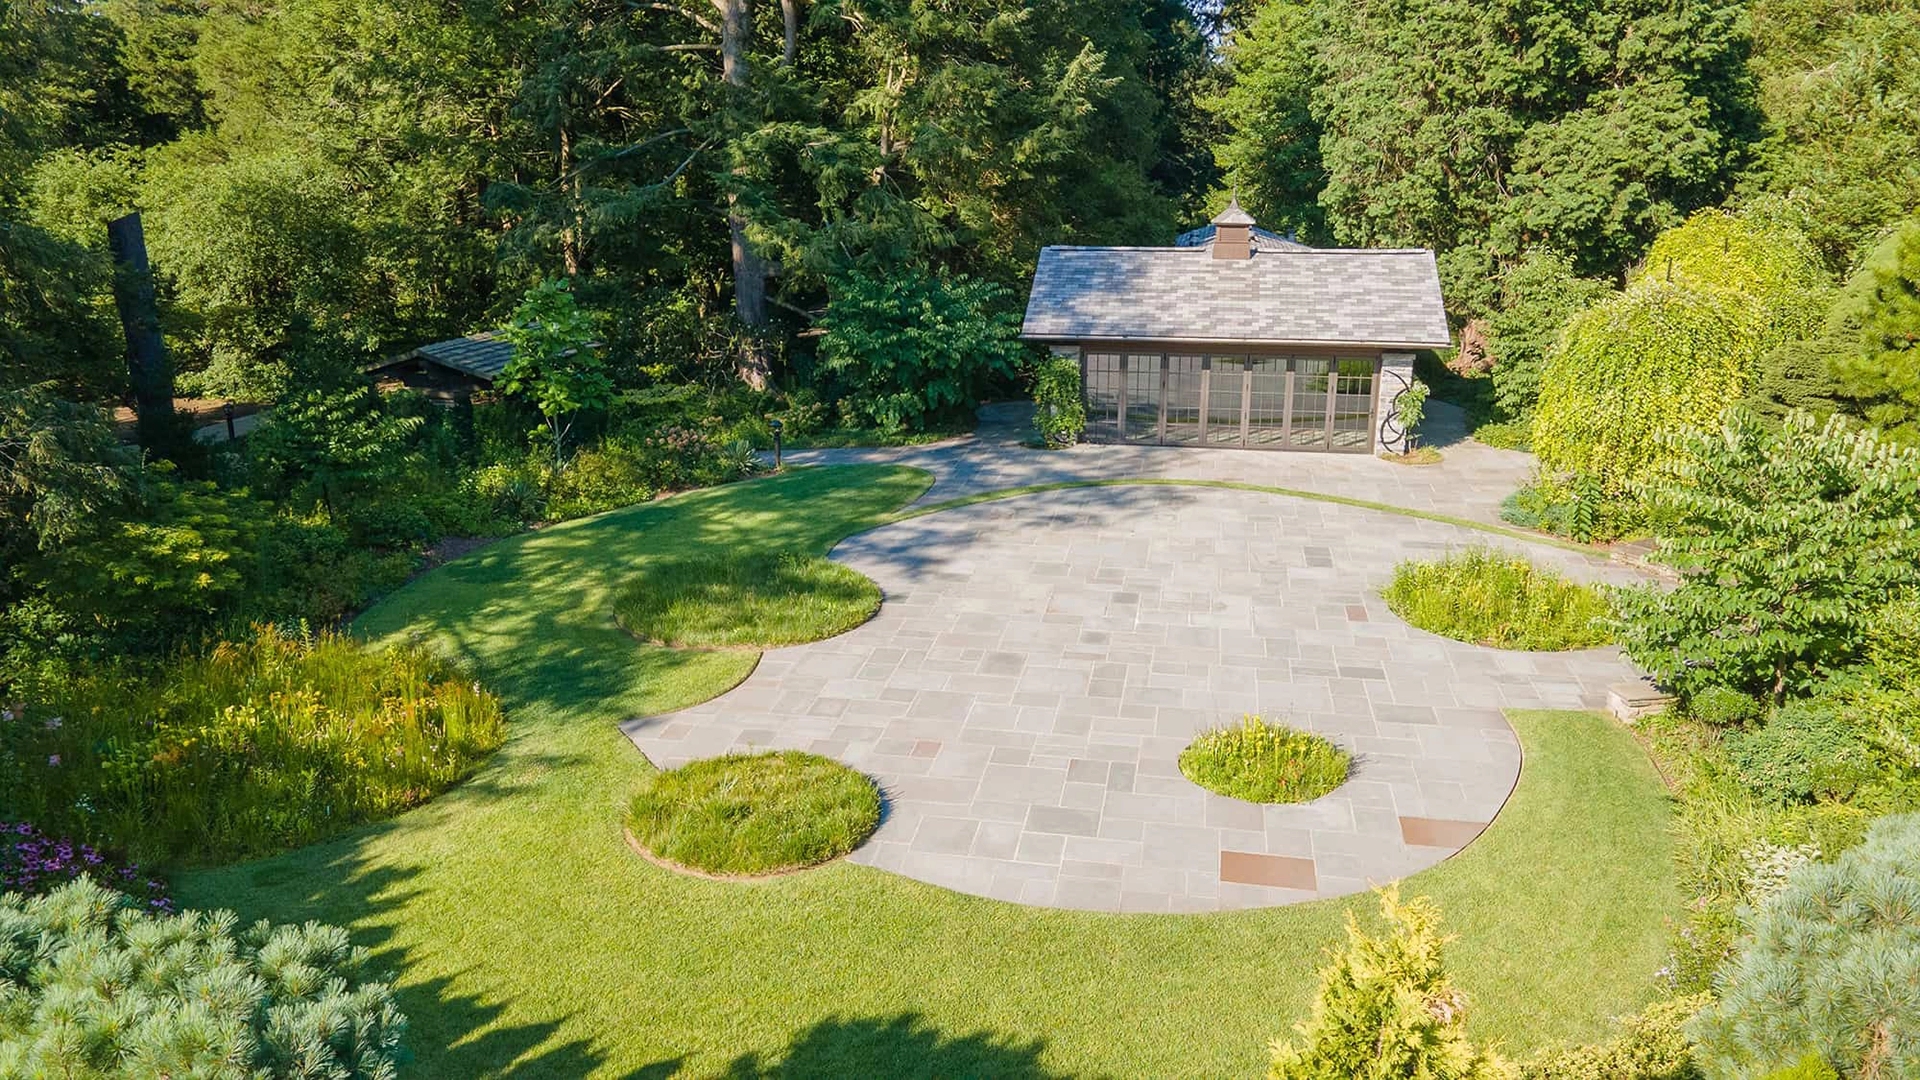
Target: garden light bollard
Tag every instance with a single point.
(227, 411)
(776, 426)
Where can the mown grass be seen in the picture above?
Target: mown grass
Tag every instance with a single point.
(766, 599)
(1490, 598)
(531, 942)
(1265, 763)
(754, 813)
(261, 745)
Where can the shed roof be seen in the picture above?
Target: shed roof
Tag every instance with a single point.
(1383, 298)
(480, 355)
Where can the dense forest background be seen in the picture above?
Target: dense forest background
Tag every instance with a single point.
(825, 212)
(328, 180)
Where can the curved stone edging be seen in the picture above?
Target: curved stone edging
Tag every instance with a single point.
(1038, 663)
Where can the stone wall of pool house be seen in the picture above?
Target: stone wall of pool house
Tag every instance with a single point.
(1396, 376)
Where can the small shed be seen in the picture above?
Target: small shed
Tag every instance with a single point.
(447, 370)
(1238, 337)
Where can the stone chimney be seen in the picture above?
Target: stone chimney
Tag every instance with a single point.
(1233, 232)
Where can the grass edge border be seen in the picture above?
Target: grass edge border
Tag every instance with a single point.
(976, 498)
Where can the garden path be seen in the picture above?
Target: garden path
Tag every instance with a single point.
(1469, 482)
(1040, 661)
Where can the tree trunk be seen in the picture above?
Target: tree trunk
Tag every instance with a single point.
(790, 20)
(147, 366)
(571, 257)
(749, 271)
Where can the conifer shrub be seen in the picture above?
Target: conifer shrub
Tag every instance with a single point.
(90, 985)
(1832, 969)
(1387, 1008)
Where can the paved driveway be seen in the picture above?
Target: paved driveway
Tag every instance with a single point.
(1039, 663)
(1468, 483)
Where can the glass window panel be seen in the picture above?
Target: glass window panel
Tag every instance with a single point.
(1267, 402)
(1143, 397)
(1223, 399)
(1312, 383)
(1353, 404)
(1183, 399)
(1103, 397)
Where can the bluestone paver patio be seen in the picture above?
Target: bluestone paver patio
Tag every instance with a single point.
(1039, 662)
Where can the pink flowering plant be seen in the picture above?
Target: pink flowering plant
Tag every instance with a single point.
(34, 864)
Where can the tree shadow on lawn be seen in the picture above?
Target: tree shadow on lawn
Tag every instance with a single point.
(901, 1046)
(333, 882)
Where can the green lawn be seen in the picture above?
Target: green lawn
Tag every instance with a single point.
(533, 942)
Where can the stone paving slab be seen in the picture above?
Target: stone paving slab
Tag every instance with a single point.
(1040, 662)
(1469, 482)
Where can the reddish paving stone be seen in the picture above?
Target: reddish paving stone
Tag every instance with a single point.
(1279, 871)
(1439, 832)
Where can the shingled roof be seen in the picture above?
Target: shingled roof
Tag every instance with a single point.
(1382, 298)
(479, 355)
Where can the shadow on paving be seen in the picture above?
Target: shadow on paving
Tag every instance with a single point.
(900, 1047)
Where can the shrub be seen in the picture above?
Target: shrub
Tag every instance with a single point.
(165, 574)
(1387, 1009)
(95, 987)
(757, 599)
(1410, 407)
(1265, 763)
(1059, 414)
(913, 348)
(755, 813)
(33, 864)
(1806, 750)
(1651, 1045)
(1487, 598)
(1787, 543)
(259, 746)
(1832, 968)
(607, 477)
(515, 491)
(1721, 707)
(331, 446)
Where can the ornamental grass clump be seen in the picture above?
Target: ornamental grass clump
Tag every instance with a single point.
(731, 600)
(91, 986)
(1487, 598)
(259, 746)
(1265, 763)
(745, 814)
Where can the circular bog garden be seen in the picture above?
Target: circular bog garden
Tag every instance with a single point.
(1483, 597)
(751, 814)
(1265, 763)
(759, 600)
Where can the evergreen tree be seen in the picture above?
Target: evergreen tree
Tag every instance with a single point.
(1879, 377)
